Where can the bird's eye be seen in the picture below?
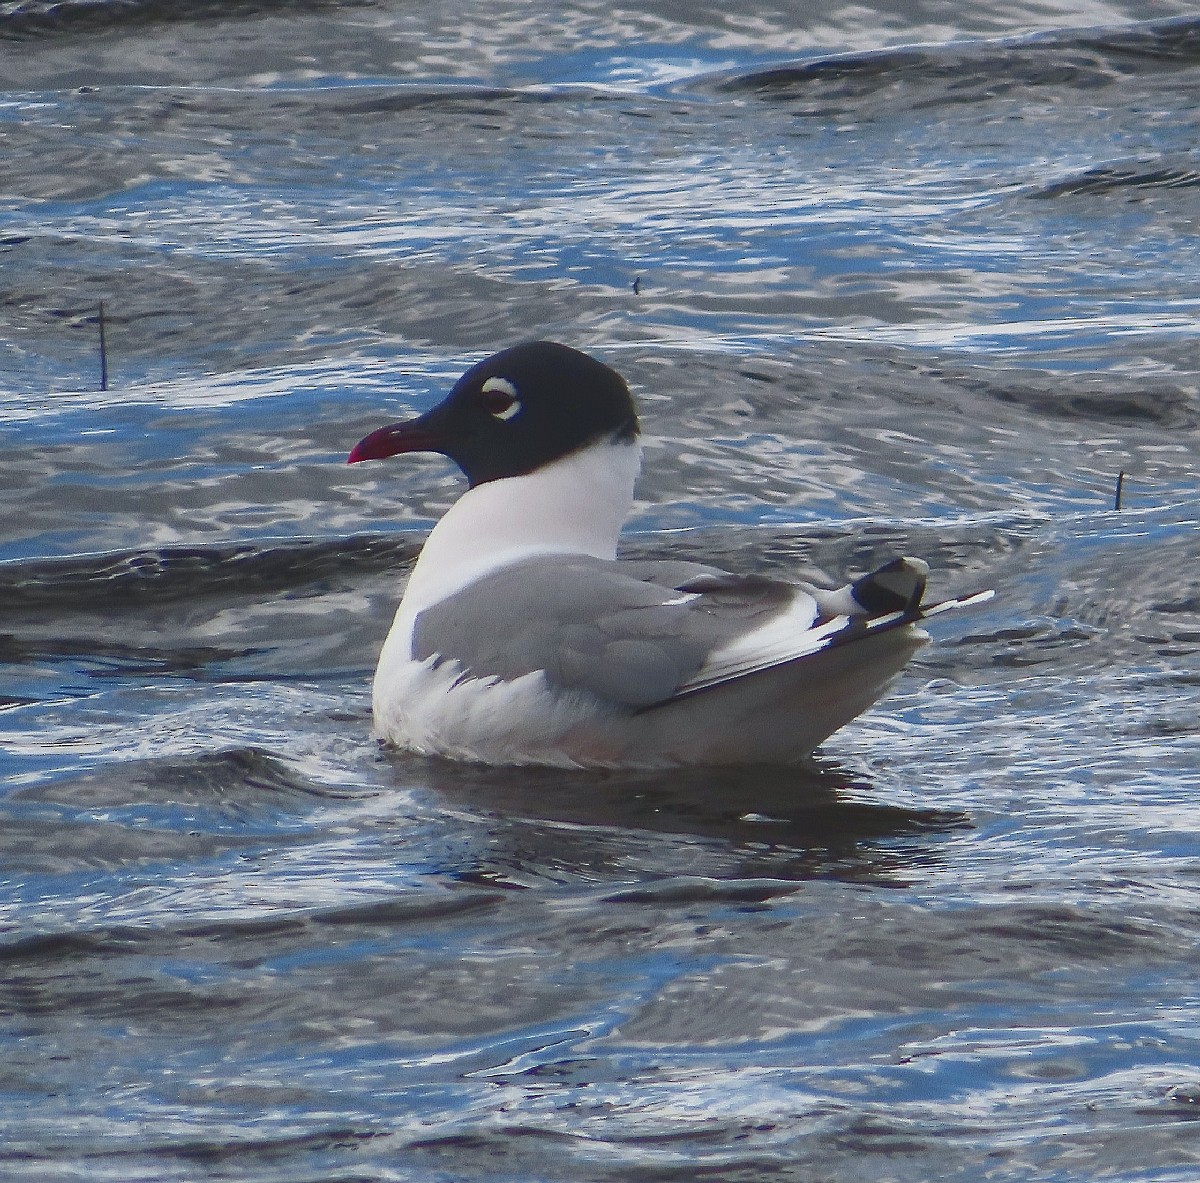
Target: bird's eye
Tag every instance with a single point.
(498, 397)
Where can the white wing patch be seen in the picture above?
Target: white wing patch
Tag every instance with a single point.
(686, 598)
(795, 633)
(785, 637)
(980, 597)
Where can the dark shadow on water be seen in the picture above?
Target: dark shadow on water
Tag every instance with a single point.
(782, 823)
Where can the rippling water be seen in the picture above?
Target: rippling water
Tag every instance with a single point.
(907, 277)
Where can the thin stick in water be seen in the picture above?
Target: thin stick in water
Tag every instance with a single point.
(1120, 486)
(103, 351)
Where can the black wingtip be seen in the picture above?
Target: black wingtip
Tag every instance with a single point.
(895, 587)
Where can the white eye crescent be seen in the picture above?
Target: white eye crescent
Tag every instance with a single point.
(499, 398)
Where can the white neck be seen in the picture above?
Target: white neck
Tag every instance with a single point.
(576, 505)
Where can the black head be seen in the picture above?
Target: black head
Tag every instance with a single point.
(514, 412)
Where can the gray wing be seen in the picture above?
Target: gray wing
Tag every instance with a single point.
(633, 633)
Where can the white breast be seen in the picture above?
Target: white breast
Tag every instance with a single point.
(576, 505)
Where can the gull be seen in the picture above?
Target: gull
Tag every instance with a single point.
(522, 639)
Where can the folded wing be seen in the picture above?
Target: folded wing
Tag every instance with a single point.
(643, 634)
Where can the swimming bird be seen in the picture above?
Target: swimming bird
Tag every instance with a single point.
(521, 638)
